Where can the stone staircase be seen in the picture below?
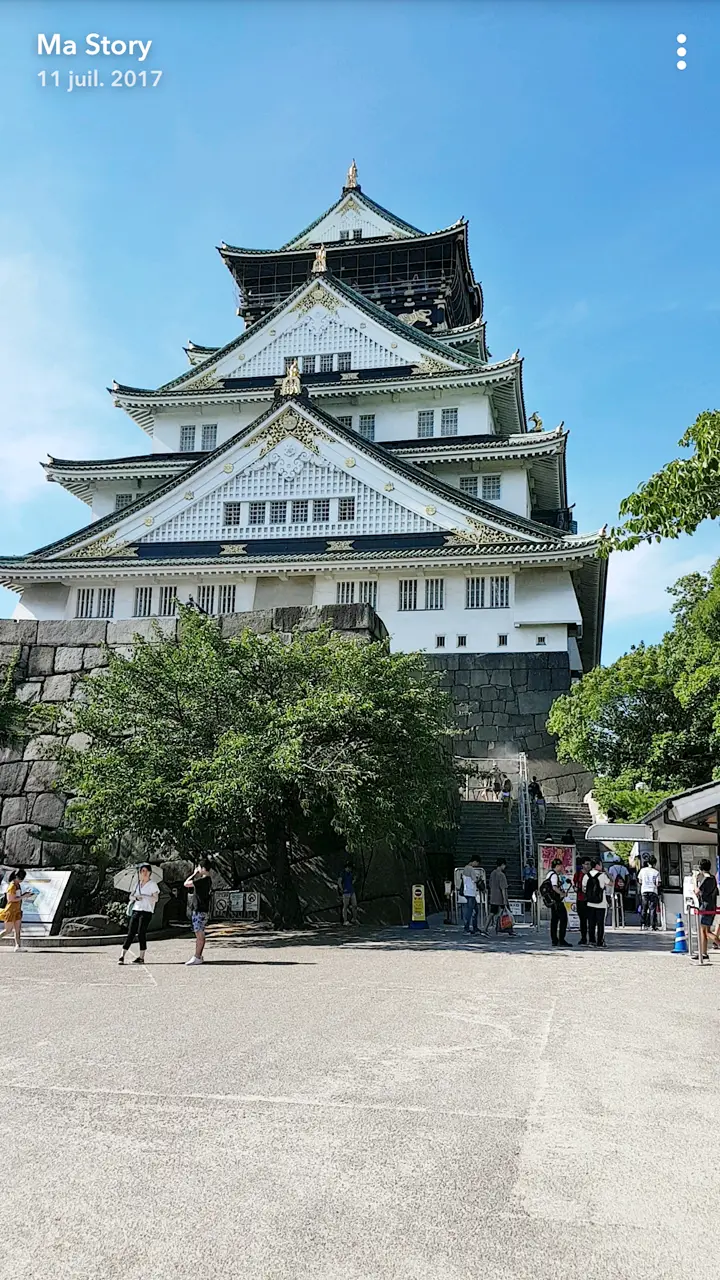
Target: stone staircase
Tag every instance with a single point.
(485, 834)
(561, 816)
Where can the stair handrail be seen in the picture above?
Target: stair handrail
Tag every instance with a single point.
(525, 827)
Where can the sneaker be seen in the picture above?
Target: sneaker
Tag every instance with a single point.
(195, 960)
(564, 944)
(583, 944)
(139, 960)
(121, 960)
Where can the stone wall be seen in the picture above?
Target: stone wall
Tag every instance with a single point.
(501, 703)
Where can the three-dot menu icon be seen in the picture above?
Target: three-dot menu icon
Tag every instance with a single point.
(681, 52)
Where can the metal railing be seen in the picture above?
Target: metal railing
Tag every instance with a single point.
(525, 827)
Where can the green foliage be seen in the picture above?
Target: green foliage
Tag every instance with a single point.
(625, 804)
(679, 497)
(13, 714)
(202, 743)
(653, 716)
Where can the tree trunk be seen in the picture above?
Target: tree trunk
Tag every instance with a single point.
(287, 909)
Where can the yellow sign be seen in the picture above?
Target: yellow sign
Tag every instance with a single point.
(418, 902)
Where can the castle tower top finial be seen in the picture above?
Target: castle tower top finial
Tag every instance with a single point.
(291, 385)
(351, 181)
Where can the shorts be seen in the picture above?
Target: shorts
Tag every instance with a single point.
(199, 921)
(707, 920)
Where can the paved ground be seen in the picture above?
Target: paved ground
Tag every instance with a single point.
(361, 1108)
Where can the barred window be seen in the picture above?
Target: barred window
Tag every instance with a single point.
(278, 512)
(168, 602)
(357, 233)
(439, 642)
(226, 598)
(345, 420)
(308, 364)
(345, 361)
(474, 593)
(206, 599)
(407, 594)
(289, 362)
(449, 422)
(462, 642)
(256, 513)
(426, 423)
(499, 593)
(300, 511)
(344, 235)
(187, 439)
(84, 602)
(366, 426)
(345, 593)
(368, 593)
(326, 363)
(468, 485)
(209, 437)
(143, 602)
(123, 500)
(491, 488)
(346, 509)
(232, 513)
(540, 640)
(321, 510)
(434, 593)
(106, 602)
(502, 642)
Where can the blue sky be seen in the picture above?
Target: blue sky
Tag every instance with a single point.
(585, 161)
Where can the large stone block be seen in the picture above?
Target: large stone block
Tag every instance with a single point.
(42, 775)
(56, 854)
(12, 778)
(10, 653)
(41, 660)
(78, 741)
(76, 631)
(94, 656)
(259, 621)
(14, 810)
(68, 659)
(48, 809)
(21, 846)
(29, 692)
(24, 631)
(37, 748)
(124, 632)
(9, 754)
(534, 701)
(560, 680)
(57, 689)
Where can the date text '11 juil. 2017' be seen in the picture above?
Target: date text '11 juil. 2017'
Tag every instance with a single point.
(71, 80)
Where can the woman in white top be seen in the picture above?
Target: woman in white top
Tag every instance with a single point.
(144, 899)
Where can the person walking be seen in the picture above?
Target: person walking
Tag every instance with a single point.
(11, 913)
(506, 796)
(538, 801)
(595, 884)
(649, 882)
(144, 901)
(499, 901)
(472, 881)
(558, 910)
(346, 885)
(707, 892)
(200, 882)
(582, 871)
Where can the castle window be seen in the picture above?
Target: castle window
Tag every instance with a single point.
(123, 500)
(299, 511)
(499, 592)
(187, 439)
(357, 233)
(256, 513)
(344, 235)
(439, 642)
(462, 642)
(468, 485)
(407, 600)
(449, 422)
(345, 420)
(321, 510)
(345, 593)
(366, 426)
(84, 602)
(344, 361)
(346, 509)
(540, 640)
(308, 364)
(206, 599)
(368, 593)
(106, 602)
(425, 423)
(326, 364)
(232, 514)
(502, 642)
(209, 437)
(278, 512)
(491, 488)
(142, 607)
(474, 593)
(434, 593)
(226, 598)
(168, 602)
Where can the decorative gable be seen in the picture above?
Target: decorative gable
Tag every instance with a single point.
(350, 215)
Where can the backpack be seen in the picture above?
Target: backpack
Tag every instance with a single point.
(547, 893)
(594, 891)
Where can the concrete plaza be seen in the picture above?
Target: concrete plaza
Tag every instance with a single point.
(362, 1106)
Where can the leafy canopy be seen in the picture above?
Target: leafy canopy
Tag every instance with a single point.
(653, 716)
(679, 497)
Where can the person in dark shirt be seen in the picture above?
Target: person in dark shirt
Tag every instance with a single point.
(582, 907)
(200, 882)
(707, 893)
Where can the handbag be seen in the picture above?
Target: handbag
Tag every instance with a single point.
(505, 922)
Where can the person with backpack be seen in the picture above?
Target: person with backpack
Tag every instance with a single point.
(538, 801)
(707, 895)
(581, 905)
(594, 886)
(552, 894)
(472, 884)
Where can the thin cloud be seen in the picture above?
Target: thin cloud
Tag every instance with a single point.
(638, 580)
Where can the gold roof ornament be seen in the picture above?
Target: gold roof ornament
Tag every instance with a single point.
(351, 177)
(319, 266)
(535, 417)
(291, 385)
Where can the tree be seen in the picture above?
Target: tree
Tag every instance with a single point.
(653, 716)
(679, 497)
(203, 743)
